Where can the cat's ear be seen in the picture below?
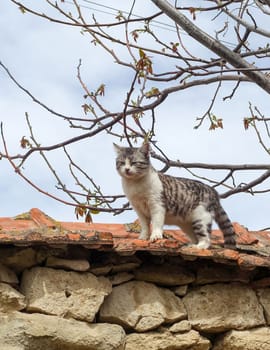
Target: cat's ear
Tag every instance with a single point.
(145, 149)
(117, 148)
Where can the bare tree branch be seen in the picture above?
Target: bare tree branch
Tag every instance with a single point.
(251, 28)
(222, 51)
(248, 186)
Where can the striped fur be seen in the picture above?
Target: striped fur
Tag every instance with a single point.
(162, 199)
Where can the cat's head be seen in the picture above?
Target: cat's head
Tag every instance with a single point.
(132, 162)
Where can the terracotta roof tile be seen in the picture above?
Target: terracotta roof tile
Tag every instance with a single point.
(35, 227)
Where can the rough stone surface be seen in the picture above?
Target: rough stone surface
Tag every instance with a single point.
(123, 263)
(167, 341)
(100, 270)
(62, 293)
(81, 265)
(10, 299)
(121, 277)
(66, 310)
(7, 275)
(39, 332)
(181, 290)
(180, 327)
(261, 283)
(219, 307)
(254, 339)
(19, 259)
(125, 266)
(264, 298)
(216, 273)
(168, 275)
(142, 306)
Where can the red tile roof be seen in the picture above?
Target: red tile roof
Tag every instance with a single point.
(35, 227)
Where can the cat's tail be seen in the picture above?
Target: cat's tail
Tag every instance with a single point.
(226, 227)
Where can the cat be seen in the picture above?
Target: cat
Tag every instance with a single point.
(162, 199)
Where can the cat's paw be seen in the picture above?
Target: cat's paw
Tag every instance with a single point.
(201, 245)
(204, 244)
(156, 235)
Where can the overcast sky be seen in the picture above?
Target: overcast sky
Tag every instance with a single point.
(43, 57)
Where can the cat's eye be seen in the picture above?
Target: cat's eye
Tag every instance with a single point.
(138, 163)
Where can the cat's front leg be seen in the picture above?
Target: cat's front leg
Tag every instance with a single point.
(145, 222)
(158, 218)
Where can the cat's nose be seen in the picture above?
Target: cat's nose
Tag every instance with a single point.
(127, 171)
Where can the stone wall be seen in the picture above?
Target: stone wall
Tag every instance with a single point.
(73, 298)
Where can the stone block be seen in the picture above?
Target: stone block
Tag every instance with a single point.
(80, 265)
(10, 299)
(39, 332)
(219, 307)
(253, 339)
(167, 275)
(64, 293)
(7, 275)
(167, 341)
(218, 274)
(141, 306)
(264, 298)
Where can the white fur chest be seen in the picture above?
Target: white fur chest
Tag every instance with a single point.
(143, 193)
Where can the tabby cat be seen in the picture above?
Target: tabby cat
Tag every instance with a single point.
(162, 199)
